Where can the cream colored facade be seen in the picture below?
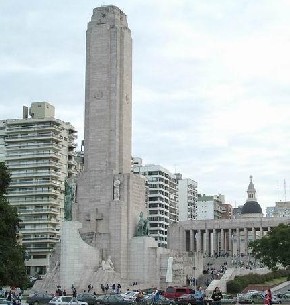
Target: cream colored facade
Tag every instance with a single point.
(39, 152)
(212, 237)
(224, 236)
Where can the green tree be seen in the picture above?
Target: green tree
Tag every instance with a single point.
(273, 249)
(12, 268)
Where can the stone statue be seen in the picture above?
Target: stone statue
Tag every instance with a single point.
(69, 198)
(117, 189)
(108, 264)
(142, 226)
(169, 270)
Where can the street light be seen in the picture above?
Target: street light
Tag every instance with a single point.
(194, 276)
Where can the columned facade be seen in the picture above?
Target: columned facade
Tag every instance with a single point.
(216, 237)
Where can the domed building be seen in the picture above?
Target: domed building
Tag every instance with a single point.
(251, 208)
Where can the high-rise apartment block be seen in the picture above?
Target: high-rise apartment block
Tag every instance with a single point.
(187, 198)
(39, 152)
(162, 199)
(209, 207)
(281, 209)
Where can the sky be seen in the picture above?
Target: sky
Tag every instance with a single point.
(211, 83)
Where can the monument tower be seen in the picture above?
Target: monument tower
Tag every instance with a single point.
(106, 236)
(109, 197)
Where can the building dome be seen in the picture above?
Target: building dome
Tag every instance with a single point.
(251, 207)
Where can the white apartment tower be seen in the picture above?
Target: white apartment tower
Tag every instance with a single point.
(162, 199)
(39, 152)
(209, 207)
(187, 198)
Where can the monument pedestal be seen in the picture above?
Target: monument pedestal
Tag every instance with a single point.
(144, 260)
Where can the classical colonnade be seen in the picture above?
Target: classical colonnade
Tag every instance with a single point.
(231, 241)
(220, 236)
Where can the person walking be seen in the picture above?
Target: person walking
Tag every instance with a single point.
(268, 297)
(139, 297)
(199, 296)
(216, 296)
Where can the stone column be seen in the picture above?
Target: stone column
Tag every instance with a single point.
(254, 233)
(238, 242)
(230, 242)
(246, 238)
(191, 240)
(222, 241)
(207, 241)
(214, 241)
(198, 241)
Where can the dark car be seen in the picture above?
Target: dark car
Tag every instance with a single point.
(228, 299)
(87, 297)
(39, 298)
(113, 299)
(186, 299)
(148, 299)
(251, 298)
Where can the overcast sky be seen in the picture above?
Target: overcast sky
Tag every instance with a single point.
(211, 83)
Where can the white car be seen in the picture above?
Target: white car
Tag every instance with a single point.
(66, 300)
(129, 295)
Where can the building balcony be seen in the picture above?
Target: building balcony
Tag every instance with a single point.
(39, 173)
(39, 221)
(20, 138)
(18, 202)
(34, 165)
(33, 156)
(35, 240)
(35, 230)
(17, 193)
(34, 211)
(33, 146)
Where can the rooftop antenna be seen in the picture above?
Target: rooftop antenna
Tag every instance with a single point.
(285, 192)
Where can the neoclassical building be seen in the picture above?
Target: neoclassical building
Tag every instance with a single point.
(224, 236)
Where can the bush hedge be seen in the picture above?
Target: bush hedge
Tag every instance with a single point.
(239, 283)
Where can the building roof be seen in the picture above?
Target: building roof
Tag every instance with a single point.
(251, 207)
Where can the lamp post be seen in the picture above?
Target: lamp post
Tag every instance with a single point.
(194, 276)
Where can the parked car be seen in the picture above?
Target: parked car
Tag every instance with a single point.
(4, 301)
(176, 292)
(113, 299)
(148, 300)
(186, 299)
(87, 297)
(39, 298)
(66, 300)
(129, 295)
(276, 299)
(228, 299)
(251, 298)
(99, 298)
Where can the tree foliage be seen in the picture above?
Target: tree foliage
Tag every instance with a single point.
(273, 249)
(12, 268)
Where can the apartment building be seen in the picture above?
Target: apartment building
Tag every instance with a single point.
(187, 198)
(281, 209)
(39, 151)
(209, 207)
(162, 198)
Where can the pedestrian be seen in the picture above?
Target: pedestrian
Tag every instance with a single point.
(156, 296)
(199, 296)
(217, 296)
(268, 297)
(139, 296)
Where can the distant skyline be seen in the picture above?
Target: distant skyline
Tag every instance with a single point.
(211, 83)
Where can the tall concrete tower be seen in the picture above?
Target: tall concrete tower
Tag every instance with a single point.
(109, 197)
(108, 106)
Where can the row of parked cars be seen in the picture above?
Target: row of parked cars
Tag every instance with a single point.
(257, 297)
(172, 296)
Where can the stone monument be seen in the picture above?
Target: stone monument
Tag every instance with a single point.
(109, 199)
